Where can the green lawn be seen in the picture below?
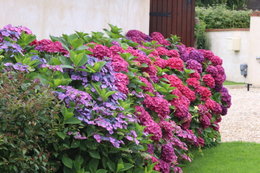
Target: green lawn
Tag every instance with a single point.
(233, 83)
(232, 157)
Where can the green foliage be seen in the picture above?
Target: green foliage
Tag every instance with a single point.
(200, 34)
(232, 4)
(218, 17)
(28, 125)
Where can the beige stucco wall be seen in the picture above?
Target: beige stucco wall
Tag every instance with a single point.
(254, 51)
(45, 17)
(221, 43)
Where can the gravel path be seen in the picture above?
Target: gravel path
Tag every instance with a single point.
(242, 123)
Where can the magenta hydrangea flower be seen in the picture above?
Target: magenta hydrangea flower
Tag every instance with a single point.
(160, 38)
(204, 93)
(205, 120)
(212, 70)
(121, 82)
(173, 54)
(49, 46)
(158, 105)
(138, 36)
(149, 87)
(161, 51)
(209, 80)
(168, 155)
(162, 63)
(100, 51)
(175, 63)
(119, 64)
(187, 92)
(213, 106)
(193, 82)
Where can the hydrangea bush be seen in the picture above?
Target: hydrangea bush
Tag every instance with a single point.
(134, 103)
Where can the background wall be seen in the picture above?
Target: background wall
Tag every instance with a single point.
(254, 68)
(221, 43)
(45, 17)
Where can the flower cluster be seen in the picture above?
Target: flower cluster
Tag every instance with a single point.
(49, 46)
(124, 83)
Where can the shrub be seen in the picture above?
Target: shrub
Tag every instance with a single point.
(234, 4)
(28, 125)
(134, 103)
(218, 17)
(200, 34)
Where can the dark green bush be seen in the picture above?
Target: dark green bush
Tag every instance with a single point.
(28, 125)
(218, 17)
(232, 4)
(201, 39)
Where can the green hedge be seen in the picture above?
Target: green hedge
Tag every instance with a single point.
(232, 4)
(219, 17)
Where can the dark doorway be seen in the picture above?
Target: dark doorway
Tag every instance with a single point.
(175, 17)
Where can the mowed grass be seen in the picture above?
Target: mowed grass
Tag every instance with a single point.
(230, 157)
(233, 83)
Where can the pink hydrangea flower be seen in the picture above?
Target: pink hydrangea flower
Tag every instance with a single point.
(149, 87)
(121, 82)
(209, 80)
(175, 63)
(160, 38)
(158, 105)
(100, 51)
(193, 82)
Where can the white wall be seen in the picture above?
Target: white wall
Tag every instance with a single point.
(221, 44)
(45, 17)
(254, 51)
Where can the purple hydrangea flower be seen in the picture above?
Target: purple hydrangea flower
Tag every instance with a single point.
(196, 55)
(194, 65)
(18, 66)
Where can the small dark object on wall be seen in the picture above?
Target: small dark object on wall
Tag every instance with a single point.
(243, 69)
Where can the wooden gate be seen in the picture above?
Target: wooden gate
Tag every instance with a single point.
(175, 17)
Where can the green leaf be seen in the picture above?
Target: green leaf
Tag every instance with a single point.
(78, 59)
(93, 165)
(72, 120)
(89, 69)
(62, 135)
(78, 162)
(76, 43)
(144, 65)
(127, 166)
(65, 61)
(98, 65)
(120, 165)
(83, 61)
(67, 161)
(111, 165)
(94, 154)
(67, 66)
(101, 171)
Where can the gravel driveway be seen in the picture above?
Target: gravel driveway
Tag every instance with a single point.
(242, 123)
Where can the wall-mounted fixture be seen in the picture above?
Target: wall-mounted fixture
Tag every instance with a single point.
(236, 44)
(243, 69)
